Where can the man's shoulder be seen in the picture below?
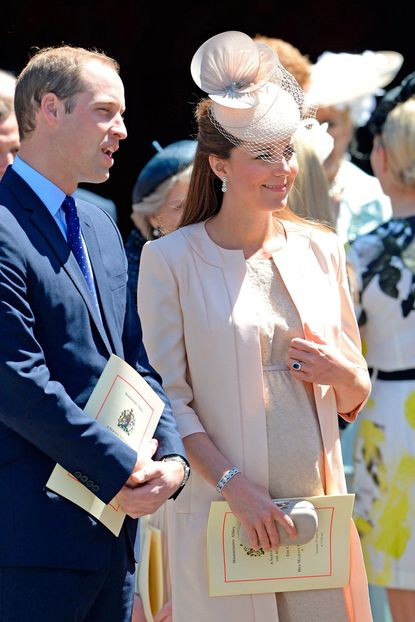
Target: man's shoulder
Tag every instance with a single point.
(11, 208)
(101, 220)
(106, 205)
(9, 185)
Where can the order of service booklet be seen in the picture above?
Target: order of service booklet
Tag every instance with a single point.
(125, 404)
(149, 578)
(323, 562)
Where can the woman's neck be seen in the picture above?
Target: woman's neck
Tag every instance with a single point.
(256, 237)
(403, 204)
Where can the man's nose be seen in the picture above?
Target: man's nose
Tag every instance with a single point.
(119, 128)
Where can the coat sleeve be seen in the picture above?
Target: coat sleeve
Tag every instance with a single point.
(162, 322)
(350, 342)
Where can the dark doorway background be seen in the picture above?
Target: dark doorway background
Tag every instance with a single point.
(154, 46)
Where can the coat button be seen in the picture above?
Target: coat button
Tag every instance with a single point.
(95, 489)
(84, 479)
(78, 474)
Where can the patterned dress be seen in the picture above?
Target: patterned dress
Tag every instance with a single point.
(384, 452)
(295, 449)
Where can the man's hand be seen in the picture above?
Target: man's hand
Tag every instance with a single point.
(149, 487)
(147, 451)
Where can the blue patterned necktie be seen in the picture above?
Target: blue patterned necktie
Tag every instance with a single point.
(76, 245)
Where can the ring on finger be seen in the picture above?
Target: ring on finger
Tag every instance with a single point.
(296, 365)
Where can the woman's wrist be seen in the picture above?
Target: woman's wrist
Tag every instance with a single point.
(357, 391)
(226, 478)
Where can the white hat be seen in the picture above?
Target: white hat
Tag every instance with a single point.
(230, 67)
(352, 80)
(256, 103)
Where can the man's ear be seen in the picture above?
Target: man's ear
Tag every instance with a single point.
(50, 106)
(383, 158)
(218, 166)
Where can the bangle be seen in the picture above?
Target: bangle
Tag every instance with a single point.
(226, 477)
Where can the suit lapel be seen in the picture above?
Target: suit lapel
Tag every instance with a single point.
(44, 222)
(297, 266)
(234, 288)
(101, 278)
(299, 269)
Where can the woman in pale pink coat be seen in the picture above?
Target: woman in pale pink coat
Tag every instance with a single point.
(246, 314)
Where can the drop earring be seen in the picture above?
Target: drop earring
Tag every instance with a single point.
(224, 184)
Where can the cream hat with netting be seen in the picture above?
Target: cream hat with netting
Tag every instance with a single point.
(256, 103)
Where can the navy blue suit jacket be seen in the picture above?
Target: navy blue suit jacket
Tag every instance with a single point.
(53, 348)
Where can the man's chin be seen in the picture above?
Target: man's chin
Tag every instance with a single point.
(99, 178)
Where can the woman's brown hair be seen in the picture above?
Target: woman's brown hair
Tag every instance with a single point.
(204, 197)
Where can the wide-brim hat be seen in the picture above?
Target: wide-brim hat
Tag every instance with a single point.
(341, 78)
(256, 103)
(166, 163)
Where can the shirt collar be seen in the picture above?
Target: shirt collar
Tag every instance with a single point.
(48, 192)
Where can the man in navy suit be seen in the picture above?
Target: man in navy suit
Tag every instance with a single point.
(58, 328)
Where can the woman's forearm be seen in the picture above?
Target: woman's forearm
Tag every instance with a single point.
(205, 457)
(354, 391)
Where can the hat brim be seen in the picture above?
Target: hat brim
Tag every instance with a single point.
(341, 86)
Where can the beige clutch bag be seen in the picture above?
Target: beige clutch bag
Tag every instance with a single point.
(304, 517)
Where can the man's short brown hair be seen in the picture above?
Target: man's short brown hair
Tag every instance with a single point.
(52, 70)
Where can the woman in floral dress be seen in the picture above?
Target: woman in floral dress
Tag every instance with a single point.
(384, 453)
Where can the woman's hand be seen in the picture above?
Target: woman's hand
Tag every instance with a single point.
(320, 362)
(253, 507)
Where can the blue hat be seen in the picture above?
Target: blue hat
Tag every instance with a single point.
(167, 162)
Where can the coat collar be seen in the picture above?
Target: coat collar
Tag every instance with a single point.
(304, 277)
(44, 222)
(295, 261)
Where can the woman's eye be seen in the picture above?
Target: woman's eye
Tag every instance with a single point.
(263, 156)
(288, 152)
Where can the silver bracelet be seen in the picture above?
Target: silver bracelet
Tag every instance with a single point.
(226, 477)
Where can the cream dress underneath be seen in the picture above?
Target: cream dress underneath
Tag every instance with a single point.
(294, 439)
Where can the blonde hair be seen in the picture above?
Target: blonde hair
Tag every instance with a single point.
(151, 204)
(398, 139)
(309, 196)
(53, 70)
